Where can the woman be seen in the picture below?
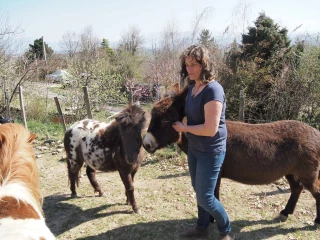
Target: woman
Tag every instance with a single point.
(206, 131)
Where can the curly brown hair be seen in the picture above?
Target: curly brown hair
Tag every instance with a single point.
(203, 56)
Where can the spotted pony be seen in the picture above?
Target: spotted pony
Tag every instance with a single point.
(114, 146)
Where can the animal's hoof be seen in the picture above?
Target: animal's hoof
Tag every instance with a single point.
(74, 196)
(138, 211)
(102, 195)
(283, 218)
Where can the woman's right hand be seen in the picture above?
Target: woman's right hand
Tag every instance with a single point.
(179, 126)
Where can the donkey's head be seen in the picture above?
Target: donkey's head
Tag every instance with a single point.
(164, 113)
(131, 122)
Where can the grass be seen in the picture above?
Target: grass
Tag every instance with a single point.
(168, 204)
(46, 129)
(165, 196)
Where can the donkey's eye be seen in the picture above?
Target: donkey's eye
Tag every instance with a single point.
(166, 121)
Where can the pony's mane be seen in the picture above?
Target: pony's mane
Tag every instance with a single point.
(132, 115)
(17, 160)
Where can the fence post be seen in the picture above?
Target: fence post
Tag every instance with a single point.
(60, 113)
(86, 100)
(6, 93)
(22, 108)
(241, 107)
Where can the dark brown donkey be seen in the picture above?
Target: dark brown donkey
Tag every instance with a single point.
(107, 147)
(256, 153)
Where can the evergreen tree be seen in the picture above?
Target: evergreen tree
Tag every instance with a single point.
(105, 45)
(263, 66)
(265, 43)
(233, 55)
(37, 51)
(206, 39)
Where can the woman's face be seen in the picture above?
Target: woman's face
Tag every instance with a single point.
(193, 68)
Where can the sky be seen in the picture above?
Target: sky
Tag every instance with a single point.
(112, 18)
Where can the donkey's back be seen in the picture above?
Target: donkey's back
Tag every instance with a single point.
(263, 153)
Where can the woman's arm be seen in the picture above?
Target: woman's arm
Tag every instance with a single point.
(212, 113)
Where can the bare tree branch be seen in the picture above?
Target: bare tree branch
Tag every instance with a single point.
(197, 22)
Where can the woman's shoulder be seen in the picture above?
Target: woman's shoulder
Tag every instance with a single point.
(214, 85)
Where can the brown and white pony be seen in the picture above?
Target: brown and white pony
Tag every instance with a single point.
(114, 146)
(256, 153)
(21, 216)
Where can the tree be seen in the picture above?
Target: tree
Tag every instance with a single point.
(196, 23)
(163, 64)
(37, 50)
(105, 46)
(206, 39)
(308, 73)
(132, 40)
(12, 73)
(70, 43)
(265, 43)
(89, 64)
(263, 65)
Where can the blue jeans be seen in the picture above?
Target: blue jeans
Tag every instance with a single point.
(204, 170)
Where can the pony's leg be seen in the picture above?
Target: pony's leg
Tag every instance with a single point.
(91, 173)
(74, 167)
(296, 188)
(128, 184)
(133, 173)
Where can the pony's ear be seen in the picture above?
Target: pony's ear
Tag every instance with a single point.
(2, 139)
(31, 137)
(176, 87)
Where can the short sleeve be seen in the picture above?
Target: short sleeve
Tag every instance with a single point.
(214, 92)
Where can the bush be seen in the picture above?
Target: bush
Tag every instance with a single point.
(36, 109)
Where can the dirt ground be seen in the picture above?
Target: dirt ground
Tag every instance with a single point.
(167, 201)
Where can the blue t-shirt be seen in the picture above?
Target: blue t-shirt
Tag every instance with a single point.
(195, 115)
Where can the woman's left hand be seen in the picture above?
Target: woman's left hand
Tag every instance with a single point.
(179, 126)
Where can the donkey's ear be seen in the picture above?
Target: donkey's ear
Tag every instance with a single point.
(31, 137)
(122, 116)
(176, 87)
(137, 103)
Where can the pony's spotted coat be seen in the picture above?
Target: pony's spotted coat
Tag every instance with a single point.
(86, 135)
(116, 146)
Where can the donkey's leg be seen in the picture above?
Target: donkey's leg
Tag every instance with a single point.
(314, 188)
(74, 167)
(91, 173)
(128, 184)
(216, 194)
(296, 188)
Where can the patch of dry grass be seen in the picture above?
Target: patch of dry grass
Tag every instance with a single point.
(167, 201)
